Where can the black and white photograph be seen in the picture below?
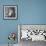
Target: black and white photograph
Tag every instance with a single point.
(10, 12)
(32, 35)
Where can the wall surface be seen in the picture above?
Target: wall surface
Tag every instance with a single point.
(33, 12)
(29, 12)
(7, 26)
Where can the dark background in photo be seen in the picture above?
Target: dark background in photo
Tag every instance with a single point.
(10, 11)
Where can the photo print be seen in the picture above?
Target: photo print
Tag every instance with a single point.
(10, 12)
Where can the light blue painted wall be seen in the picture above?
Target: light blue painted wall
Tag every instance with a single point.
(33, 12)
(7, 26)
(29, 12)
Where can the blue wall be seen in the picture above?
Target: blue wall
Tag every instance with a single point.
(33, 12)
(29, 12)
(7, 26)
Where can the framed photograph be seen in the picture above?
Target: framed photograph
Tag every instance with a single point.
(10, 11)
(33, 32)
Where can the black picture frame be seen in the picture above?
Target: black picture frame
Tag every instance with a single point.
(6, 12)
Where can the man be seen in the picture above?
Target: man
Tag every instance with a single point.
(11, 12)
